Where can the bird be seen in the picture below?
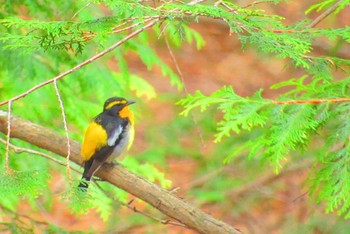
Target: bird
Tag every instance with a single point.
(108, 136)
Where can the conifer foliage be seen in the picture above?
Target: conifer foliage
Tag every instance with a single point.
(50, 37)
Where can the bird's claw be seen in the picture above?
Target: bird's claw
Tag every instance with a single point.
(111, 164)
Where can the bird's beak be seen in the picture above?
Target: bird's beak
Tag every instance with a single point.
(129, 103)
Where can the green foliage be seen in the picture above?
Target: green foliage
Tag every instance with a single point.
(333, 176)
(55, 44)
(327, 3)
(279, 127)
(59, 35)
(289, 125)
(81, 201)
(16, 185)
(333, 172)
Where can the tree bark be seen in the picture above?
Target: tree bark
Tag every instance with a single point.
(159, 198)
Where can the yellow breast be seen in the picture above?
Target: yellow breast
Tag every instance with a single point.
(94, 139)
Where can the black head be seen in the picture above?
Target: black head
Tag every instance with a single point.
(116, 104)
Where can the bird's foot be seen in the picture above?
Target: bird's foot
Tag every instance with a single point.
(111, 164)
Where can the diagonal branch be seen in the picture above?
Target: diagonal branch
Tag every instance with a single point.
(325, 14)
(86, 62)
(178, 69)
(18, 150)
(161, 199)
(136, 210)
(311, 101)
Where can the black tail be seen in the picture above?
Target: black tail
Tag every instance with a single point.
(84, 183)
(93, 164)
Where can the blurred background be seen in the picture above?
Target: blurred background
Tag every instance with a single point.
(246, 193)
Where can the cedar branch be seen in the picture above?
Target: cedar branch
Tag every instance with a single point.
(325, 14)
(80, 65)
(311, 101)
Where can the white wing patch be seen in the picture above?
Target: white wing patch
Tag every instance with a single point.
(112, 139)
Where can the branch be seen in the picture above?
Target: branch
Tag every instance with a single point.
(159, 198)
(136, 210)
(325, 14)
(65, 128)
(173, 58)
(311, 101)
(266, 179)
(86, 62)
(19, 150)
(21, 226)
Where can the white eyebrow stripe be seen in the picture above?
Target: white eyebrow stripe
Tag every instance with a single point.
(112, 139)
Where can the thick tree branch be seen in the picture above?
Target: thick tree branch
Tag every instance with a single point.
(159, 198)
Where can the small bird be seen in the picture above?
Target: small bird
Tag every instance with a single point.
(108, 136)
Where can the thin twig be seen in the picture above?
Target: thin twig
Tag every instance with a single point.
(222, 3)
(80, 10)
(198, 182)
(88, 61)
(311, 101)
(264, 180)
(178, 69)
(325, 14)
(173, 58)
(126, 28)
(163, 28)
(143, 19)
(300, 196)
(134, 209)
(115, 30)
(18, 149)
(8, 136)
(65, 130)
(124, 23)
(255, 3)
(17, 215)
(230, 9)
(295, 102)
(315, 21)
(174, 190)
(194, 2)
